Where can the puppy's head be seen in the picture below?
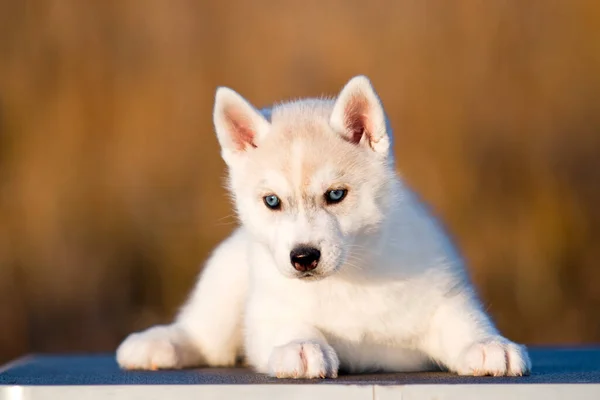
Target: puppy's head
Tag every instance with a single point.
(309, 177)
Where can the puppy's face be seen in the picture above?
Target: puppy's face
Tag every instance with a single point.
(311, 179)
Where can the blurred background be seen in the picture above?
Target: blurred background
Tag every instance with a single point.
(111, 181)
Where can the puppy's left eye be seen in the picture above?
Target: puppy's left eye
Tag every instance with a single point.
(335, 196)
(272, 202)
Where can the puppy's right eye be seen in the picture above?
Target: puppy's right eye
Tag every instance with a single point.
(335, 196)
(272, 202)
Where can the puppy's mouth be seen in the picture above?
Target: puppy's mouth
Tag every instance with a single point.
(310, 276)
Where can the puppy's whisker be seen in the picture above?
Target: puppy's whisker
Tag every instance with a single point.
(352, 265)
(230, 219)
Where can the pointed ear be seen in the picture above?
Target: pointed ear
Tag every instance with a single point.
(239, 126)
(359, 117)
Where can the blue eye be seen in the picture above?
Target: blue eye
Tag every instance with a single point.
(272, 202)
(335, 196)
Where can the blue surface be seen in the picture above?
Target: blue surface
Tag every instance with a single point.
(573, 365)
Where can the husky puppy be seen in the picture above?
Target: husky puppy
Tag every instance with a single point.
(337, 265)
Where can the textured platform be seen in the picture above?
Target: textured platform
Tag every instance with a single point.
(557, 373)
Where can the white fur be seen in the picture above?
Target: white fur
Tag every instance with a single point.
(389, 293)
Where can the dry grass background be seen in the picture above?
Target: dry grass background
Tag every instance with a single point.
(110, 177)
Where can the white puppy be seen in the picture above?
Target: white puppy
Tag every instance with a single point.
(336, 266)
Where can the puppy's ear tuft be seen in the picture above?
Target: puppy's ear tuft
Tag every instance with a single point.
(239, 126)
(359, 117)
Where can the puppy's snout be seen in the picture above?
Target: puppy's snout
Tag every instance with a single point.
(305, 258)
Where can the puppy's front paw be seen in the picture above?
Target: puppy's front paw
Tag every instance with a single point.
(155, 348)
(304, 360)
(496, 356)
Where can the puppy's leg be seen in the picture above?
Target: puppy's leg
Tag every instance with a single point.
(287, 349)
(208, 329)
(462, 337)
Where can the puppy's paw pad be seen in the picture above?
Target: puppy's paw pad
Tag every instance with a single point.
(304, 360)
(496, 357)
(150, 350)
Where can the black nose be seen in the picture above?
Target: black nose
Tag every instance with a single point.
(305, 258)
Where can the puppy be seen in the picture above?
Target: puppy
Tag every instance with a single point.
(336, 265)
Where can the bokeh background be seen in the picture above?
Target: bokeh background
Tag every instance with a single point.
(111, 182)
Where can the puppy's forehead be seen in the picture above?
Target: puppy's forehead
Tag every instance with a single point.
(303, 151)
(314, 170)
(303, 164)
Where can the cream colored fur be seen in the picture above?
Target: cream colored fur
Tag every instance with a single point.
(389, 293)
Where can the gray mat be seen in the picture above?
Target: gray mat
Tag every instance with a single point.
(550, 365)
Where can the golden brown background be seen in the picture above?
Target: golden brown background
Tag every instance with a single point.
(110, 176)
